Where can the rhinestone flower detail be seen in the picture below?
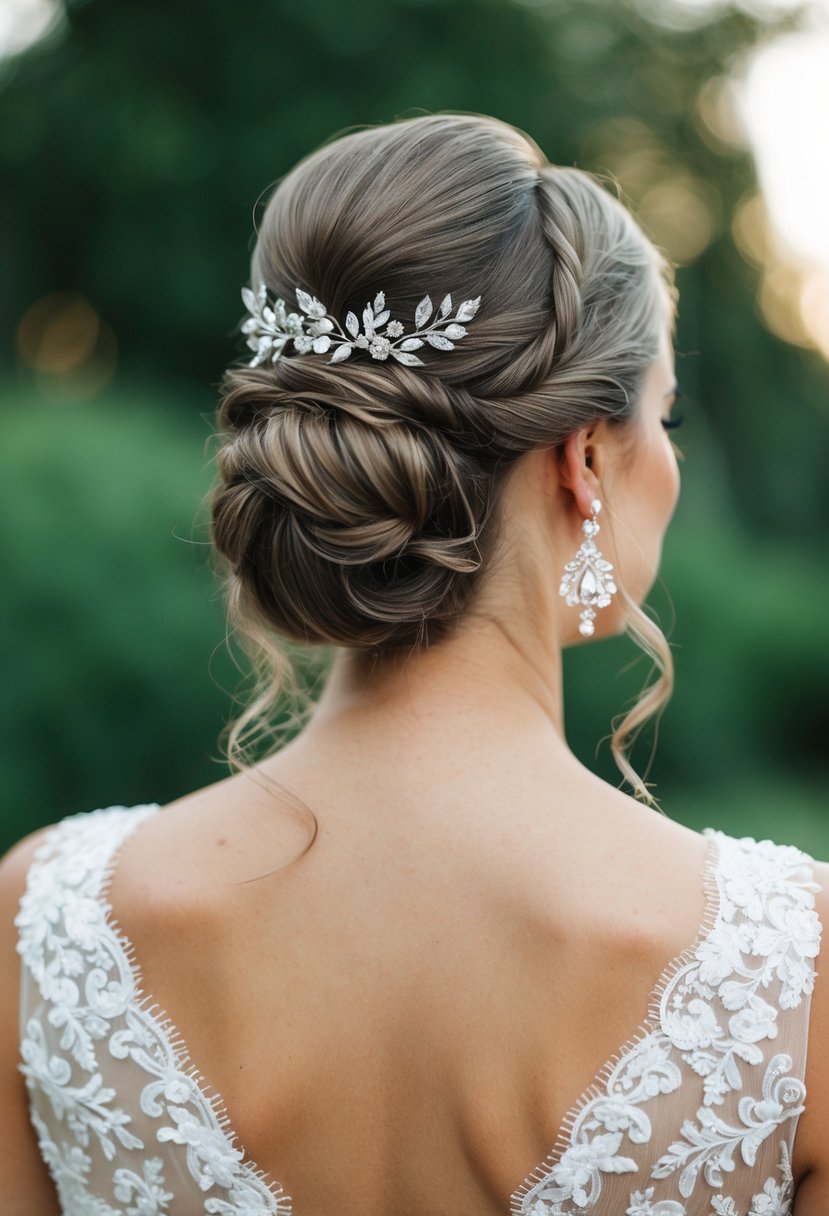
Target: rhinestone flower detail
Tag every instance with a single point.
(269, 328)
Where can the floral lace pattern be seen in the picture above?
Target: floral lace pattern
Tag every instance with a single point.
(85, 1028)
(127, 1128)
(716, 1006)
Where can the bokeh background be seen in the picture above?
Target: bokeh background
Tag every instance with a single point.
(137, 145)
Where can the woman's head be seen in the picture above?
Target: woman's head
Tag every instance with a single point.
(365, 504)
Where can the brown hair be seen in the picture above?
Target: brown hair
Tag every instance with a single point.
(357, 505)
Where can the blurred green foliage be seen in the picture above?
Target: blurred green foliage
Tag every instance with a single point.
(136, 148)
(112, 683)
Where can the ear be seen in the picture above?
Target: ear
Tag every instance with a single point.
(577, 467)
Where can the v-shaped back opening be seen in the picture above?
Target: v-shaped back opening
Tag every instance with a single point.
(83, 856)
(151, 1008)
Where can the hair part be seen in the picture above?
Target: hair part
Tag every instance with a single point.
(358, 505)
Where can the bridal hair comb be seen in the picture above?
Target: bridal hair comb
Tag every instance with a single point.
(269, 328)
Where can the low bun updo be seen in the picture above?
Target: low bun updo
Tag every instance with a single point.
(357, 504)
(347, 511)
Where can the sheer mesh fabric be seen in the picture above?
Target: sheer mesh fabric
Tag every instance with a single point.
(694, 1116)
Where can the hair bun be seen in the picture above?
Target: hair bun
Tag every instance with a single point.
(345, 511)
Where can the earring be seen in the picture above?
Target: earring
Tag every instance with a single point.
(587, 579)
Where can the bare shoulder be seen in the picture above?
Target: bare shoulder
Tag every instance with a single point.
(811, 1148)
(24, 1180)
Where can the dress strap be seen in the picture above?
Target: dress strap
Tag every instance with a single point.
(75, 857)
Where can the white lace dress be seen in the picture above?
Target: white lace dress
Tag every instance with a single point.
(694, 1116)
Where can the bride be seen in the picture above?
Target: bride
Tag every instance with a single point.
(418, 960)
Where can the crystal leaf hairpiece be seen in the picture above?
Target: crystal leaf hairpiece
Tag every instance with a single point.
(270, 328)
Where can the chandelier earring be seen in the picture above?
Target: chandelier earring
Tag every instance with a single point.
(587, 579)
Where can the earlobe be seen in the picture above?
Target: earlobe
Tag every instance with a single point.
(576, 470)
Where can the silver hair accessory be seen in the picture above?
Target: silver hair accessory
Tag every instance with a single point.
(587, 579)
(269, 328)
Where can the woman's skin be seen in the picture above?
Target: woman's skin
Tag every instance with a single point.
(390, 1008)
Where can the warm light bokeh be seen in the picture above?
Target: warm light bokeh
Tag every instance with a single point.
(777, 103)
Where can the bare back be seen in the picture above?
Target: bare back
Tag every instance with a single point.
(384, 1017)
